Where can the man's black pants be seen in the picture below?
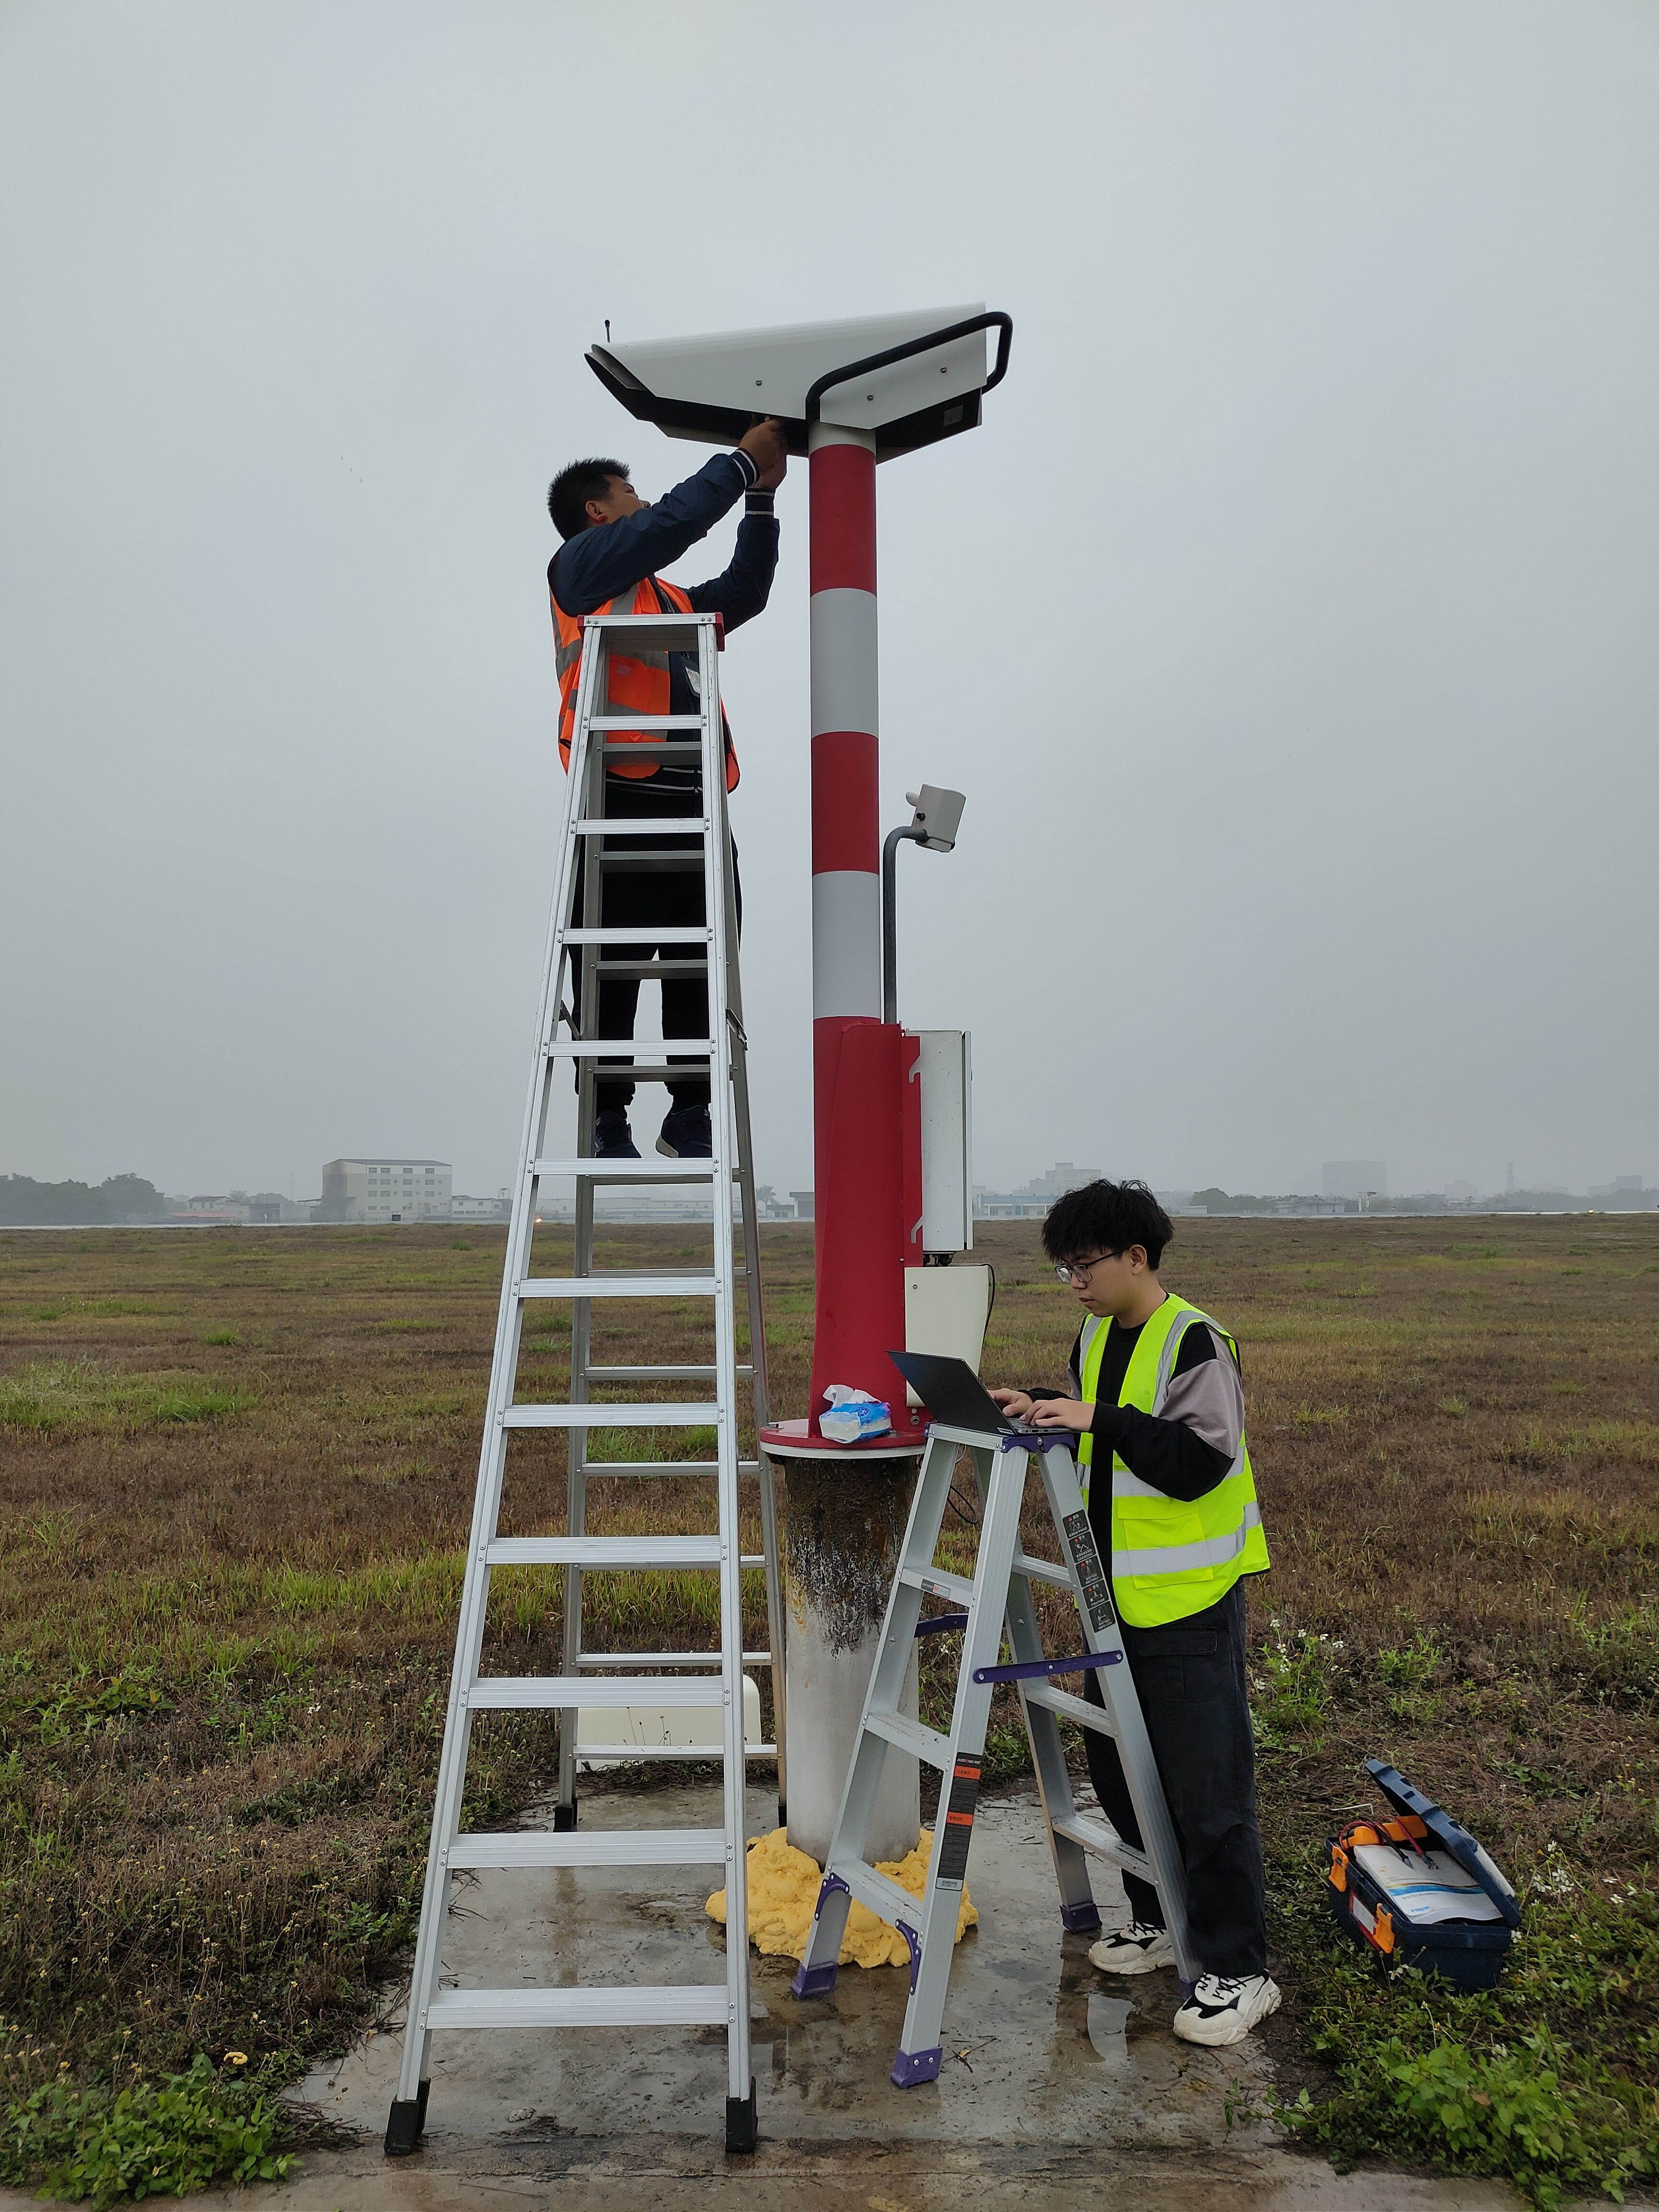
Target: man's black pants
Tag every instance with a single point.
(650, 899)
(1190, 1679)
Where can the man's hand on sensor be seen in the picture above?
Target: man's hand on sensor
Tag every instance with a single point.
(764, 443)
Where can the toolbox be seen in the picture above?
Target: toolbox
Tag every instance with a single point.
(1418, 1891)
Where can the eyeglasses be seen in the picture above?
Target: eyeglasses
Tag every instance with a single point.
(1071, 1273)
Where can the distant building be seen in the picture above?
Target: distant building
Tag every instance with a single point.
(1617, 1186)
(385, 1190)
(463, 1208)
(803, 1203)
(1035, 1197)
(1461, 1194)
(1355, 1178)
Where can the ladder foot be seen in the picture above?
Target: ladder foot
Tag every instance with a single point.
(564, 1818)
(742, 2127)
(813, 1981)
(1080, 1919)
(911, 2067)
(406, 2123)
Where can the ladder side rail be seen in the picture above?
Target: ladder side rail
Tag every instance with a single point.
(1079, 1912)
(447, 1797)
(592, 780)
(740, 2086)
(1102, 1632)
(766, 1479)
(1003, 1490)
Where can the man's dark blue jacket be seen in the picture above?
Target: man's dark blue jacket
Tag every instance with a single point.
(610, 558)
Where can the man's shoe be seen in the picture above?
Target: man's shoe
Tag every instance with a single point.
(1139, 1948)
(1224, 2008)
(612, 1138)
(686, 1134)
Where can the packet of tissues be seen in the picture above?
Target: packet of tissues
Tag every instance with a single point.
(852, 1415)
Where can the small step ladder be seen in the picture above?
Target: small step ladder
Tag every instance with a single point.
(655, 1680)
(999, 1593)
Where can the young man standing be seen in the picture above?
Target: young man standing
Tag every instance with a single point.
(1158, 1403)
(614, 543)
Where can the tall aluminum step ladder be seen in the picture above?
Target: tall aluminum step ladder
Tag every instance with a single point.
(650, 1679)
(998, 1596)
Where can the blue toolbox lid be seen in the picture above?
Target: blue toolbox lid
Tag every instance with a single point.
(1469, 1854)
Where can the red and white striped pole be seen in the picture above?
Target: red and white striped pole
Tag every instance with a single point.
(845, 1507)
(858, 1173)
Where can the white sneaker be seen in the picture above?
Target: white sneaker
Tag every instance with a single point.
(1140, 1948)
(1224, 2007)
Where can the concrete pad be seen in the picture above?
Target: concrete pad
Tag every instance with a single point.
(1039, 2048)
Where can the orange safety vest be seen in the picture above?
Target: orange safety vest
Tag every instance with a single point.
(639, 681)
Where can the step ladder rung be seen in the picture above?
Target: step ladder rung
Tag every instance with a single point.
(646, 971)
(683, 933)
(540, 1693)
(595, 1552)
(888, 1899)
(1104, 1841)
(610, 1047)
(652, 1071)
(649, 825)
(920, 1741)
(1068, 1707)
(650, 864)
(667, 1659)
(665, 2005)
(660, 1169)
(705, 1373)
(645, 749)
(634, 1754)
(639, 1847)
(590, 1416)
(935, 1582)
(618, 1285)
(663, 1466)
(645, 722)
(1042, 1570)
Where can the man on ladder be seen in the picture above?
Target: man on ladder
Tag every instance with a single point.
(613, 542)
(1173, 1506)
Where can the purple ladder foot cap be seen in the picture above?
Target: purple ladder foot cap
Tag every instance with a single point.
(912, 2067)
(1080, 1919)
(813, 1981)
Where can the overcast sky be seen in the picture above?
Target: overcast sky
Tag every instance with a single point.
(1290, 624)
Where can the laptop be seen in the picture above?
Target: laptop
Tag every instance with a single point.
(953, 1394)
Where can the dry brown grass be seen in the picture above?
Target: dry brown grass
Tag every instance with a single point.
(236, 1472)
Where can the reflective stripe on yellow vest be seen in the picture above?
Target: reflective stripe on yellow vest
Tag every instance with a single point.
(637, 683)
(1170, 1557)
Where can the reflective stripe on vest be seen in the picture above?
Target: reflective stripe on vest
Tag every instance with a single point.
(1170, 1557)
(636, 683)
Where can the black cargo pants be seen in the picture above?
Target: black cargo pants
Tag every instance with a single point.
(649, 899)
(1190, 1679)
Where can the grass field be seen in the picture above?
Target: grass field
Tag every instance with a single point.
(235, 1476)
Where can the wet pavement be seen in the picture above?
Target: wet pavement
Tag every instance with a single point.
(1039, 2049)
(1058, 2087)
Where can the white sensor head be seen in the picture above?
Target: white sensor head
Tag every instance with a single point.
(940, 814)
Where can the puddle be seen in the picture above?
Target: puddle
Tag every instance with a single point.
(1108, 2022)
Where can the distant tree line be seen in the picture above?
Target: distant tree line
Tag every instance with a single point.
(25, 1204)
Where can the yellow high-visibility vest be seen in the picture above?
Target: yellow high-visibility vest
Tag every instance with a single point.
(1170, 1557)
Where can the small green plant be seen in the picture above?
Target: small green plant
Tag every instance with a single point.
(1293, 1689)
(199, 1405)
(1408, 1669)
(97, 2145)
(219, 1333)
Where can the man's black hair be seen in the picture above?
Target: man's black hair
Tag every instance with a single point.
(571, 490)
(1106, 1216)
